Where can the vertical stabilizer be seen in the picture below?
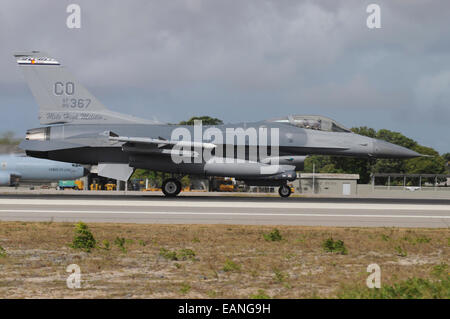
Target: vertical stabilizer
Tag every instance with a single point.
(61, 98)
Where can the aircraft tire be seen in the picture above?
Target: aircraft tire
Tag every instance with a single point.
(284, 191)
(171, 187)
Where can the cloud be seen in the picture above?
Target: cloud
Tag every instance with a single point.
(236, 59)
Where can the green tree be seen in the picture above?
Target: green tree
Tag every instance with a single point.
(446, 156)
(434, 164)
(206, 120)
(364, 130)
(8, 138)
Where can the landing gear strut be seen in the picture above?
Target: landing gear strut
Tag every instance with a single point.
(171, 187)
(284, 191)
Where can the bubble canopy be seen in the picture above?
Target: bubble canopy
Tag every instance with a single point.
(313, 122)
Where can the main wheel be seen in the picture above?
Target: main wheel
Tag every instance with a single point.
(171, 187)
(284, 191)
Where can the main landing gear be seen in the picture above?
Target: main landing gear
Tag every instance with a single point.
(171, 187)
(284, 191)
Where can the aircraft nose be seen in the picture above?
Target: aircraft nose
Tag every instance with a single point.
(388, 150)
(85, 171)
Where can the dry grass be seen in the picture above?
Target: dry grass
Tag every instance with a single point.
(229, 261)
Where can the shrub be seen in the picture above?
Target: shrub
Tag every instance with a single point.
(2, 252)
(120, 242)
(185, 254)
(273, 235)
(167, 254)
(417, 240)
(142, 243)
(230, 266)
(334, 246)
(83, 238)
(401, 251)
(106, 244)
(423, 240)
(279, 276)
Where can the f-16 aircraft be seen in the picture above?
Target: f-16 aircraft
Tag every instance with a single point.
(78, 128)
(17, 168)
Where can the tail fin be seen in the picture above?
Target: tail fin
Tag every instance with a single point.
(61, 98)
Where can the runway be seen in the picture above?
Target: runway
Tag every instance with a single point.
(227, 210)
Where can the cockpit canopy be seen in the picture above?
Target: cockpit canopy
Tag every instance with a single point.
(313, 122)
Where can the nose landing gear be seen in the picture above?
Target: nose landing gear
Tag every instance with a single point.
(284, 191)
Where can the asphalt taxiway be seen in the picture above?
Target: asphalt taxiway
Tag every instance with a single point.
(227, 210)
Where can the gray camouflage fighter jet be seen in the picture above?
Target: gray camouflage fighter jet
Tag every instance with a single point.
(79, 129)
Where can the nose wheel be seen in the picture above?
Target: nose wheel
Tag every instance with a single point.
(171, 187)
(284, 191)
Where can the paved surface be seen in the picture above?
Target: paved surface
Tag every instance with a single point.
(227, 210)
(364, 193)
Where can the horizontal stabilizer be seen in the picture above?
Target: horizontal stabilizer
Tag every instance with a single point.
(45, 146)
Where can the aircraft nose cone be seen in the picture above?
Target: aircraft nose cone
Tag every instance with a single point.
(389, 150)
(85, 171)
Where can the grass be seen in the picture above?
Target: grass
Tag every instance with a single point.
(411, 288)
(231, 266)
(279, 276)
(261, 294)
(227, 261)
(185, 288)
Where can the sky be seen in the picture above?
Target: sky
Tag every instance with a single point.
(242, 60)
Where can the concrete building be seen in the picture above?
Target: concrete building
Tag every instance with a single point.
(326, 184)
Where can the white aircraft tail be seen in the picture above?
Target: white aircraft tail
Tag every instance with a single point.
(61, 98)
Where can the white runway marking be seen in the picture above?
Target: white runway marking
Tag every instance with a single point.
(219, 214)
(222, 204)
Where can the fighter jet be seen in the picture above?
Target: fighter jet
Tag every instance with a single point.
(78, 128)
(16, 168)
